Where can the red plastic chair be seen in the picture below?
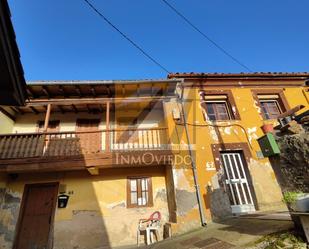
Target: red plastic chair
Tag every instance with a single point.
(153, 223)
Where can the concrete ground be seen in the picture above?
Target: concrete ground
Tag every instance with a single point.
(240, 232)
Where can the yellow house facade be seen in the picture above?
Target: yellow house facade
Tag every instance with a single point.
(88, 159)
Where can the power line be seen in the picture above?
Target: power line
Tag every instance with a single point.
(206, 36)
(125, 36)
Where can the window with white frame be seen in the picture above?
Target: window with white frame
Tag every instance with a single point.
(139, 192)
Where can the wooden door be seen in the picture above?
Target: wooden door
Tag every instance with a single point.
(126, 137)
(50, 143)
(36, 218)
(90, 138)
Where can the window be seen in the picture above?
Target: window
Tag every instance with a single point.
(53, 126)
(271, 101)
(271, 105)
(139, 192)
(217, 110)
(270, 108)
(219, 105)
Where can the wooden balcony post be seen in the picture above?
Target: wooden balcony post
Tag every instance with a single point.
(47, 116)
(107, 137)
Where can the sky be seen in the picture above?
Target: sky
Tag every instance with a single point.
(66, 40)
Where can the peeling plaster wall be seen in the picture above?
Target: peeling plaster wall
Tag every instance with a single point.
(96, 215)
(9, 209)
(266, 186)
(187, 212)
(106, 212)
(186, 201)
(219, 203)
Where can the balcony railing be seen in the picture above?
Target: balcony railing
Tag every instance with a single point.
(58, 144)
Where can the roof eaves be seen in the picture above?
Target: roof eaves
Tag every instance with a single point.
(240, 75)
(100, 82)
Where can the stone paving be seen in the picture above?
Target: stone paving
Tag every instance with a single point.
(239, 232)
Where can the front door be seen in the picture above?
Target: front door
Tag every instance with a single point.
(35, 227)
(89, 135)
(237, 182)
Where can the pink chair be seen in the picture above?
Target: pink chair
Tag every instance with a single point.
(152, 224)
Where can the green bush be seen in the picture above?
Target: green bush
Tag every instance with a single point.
(290, 197)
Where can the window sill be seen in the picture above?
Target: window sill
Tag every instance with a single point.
(148, 206)
(222, 121)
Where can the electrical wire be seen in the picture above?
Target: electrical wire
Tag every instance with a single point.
(126, 37)
(206, 36)
(221, 126)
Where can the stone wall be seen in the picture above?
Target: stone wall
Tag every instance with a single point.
(9, 209)
(292, 166)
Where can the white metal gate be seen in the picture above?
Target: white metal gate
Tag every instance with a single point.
(237, 183)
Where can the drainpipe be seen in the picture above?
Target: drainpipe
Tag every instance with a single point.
(304, 92)
(192, 159)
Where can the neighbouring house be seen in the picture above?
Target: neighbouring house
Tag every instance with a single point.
(85, 160)
(13, 85)
(12, 82)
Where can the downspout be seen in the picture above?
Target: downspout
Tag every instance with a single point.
(192, 158)
(304, 91)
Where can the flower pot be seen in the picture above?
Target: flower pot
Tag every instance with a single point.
(302, 204)
(268, 128)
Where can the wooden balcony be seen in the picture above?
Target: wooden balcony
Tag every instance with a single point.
(85, 149)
